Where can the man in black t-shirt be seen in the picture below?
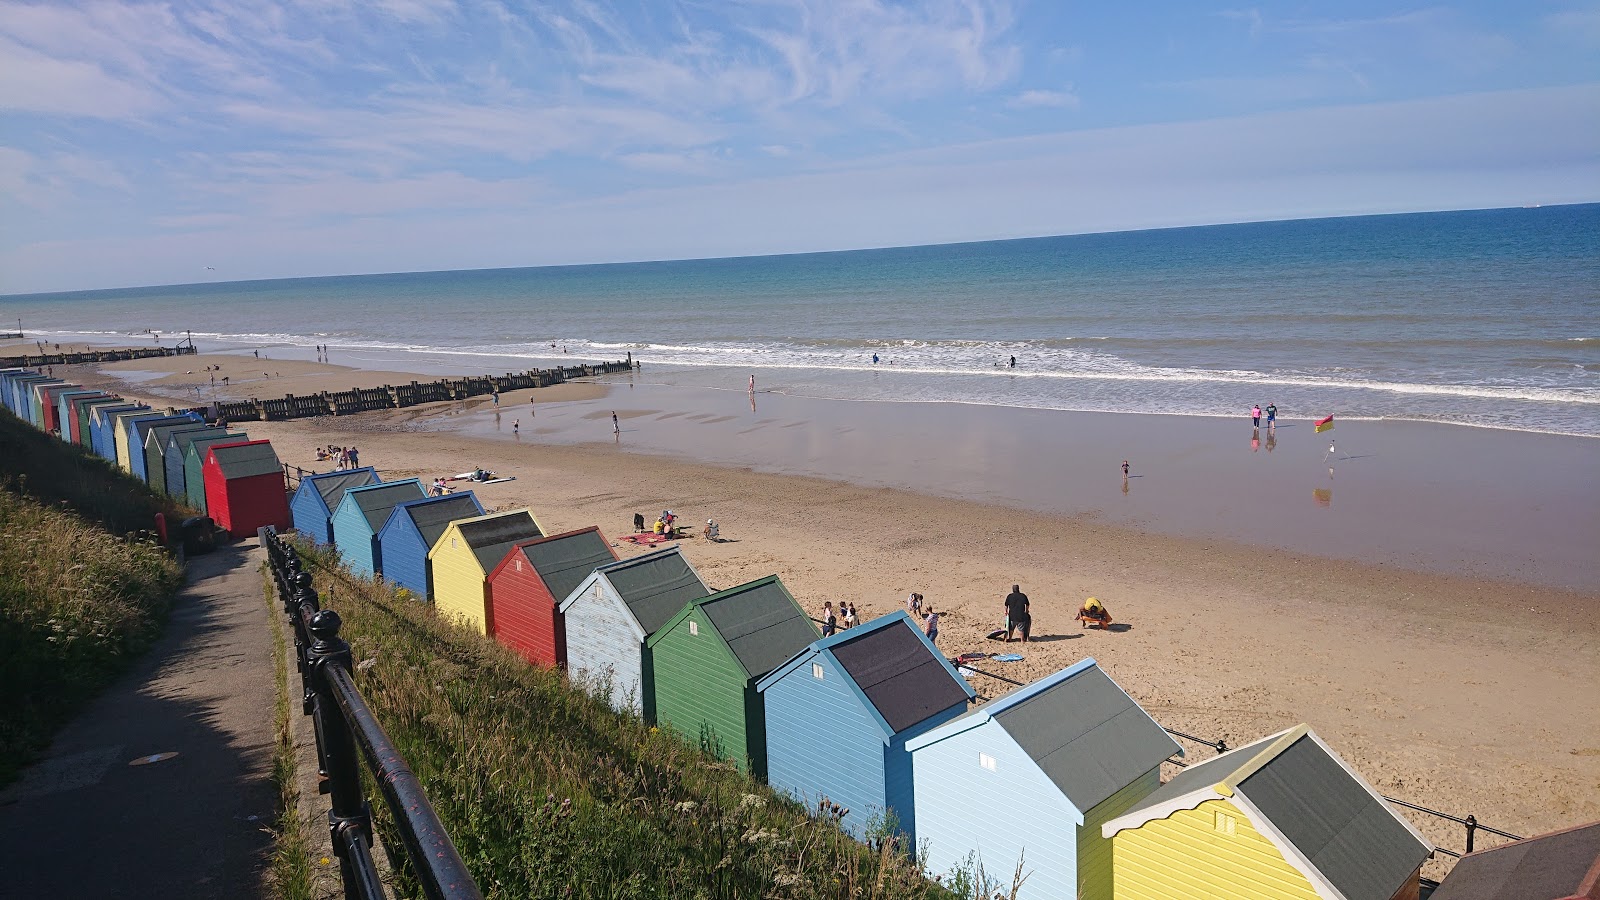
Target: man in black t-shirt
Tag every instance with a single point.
(1017, 615)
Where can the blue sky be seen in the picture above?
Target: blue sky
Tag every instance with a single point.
(142, 142)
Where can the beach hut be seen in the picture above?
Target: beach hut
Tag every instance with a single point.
(155, 451)
(50, 405)
(172, 460)
(67, 411)
(13, 380)
(708, 658)
(23, 389)
(527, 587)
(194, 463)
(412, 530)
(609, 617)
(32, 399)
(138, 430)
(84, 410)
(466, 552)
(244, 487)
(123, 439)
(361, 512)
(1561, 865)
(840, 712)
(318, 496)
(1283, 818)
(7, 376)
(102, 427)
(1029, 777)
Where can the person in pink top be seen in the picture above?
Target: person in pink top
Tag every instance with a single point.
(1255, 415)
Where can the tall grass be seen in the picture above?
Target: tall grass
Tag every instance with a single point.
(548, 792)
(77, 602)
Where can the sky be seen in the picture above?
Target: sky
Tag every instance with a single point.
(187, 141)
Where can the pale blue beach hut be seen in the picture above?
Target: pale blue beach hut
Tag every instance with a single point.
(318, 496)
(138, 430)
(1030, 777)
(612, 613)
(104, 427)
(64, 409)
(839, 715)
(177, 450)
(412, 530)
(361, 513)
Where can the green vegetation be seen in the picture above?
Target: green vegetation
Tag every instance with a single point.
(548, 792)
(291, 861)
(77, 601)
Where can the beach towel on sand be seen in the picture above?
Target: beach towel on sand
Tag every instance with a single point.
(1006, 657)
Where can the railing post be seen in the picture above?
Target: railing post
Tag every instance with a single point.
(1472, 827)
(350, 819)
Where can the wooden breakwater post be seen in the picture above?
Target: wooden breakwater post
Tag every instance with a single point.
(397, 396)
(31, 360)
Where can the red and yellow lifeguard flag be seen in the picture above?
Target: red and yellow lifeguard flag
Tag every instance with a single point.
(1324, 424)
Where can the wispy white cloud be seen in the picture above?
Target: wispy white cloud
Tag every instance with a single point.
(1042, 99)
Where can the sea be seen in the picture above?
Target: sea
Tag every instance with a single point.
(1486, 318)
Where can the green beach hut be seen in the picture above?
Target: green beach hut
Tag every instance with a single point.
(708, 658)
(194, 459)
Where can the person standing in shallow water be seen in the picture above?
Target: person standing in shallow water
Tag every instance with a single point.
(616, 427)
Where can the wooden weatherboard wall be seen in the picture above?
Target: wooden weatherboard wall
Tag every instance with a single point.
(194, 460)
(412, 530)
(463, 557)
(82, 434)
(138, 429)
(707, 661)
(527, 587)
(244, 487)
(361, 513)
(840, 712)
(116, 437)
(155, 451)
(611, 615)
(318, 496)
(102, 422)
(1018, 778)
(177, 453)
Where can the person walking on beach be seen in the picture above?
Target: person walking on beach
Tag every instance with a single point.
(829, 622)
(516, 427)
(1255, 416)
(874, 359)
(930, 626)
(850, 619)
(1013, 362)
(616, 427)
(1017, 614)
(1272, 416)
(914, 605)
(495, 396)
(752, 384)
(1124, 470)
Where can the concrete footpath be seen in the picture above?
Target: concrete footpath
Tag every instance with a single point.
(108, 814)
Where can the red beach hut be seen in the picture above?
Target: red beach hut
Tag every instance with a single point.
(527, 587)
(244, 487)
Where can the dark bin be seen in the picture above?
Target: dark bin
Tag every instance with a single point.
(199, 535)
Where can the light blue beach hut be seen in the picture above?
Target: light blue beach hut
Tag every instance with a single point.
(21, 390)
(612, 613)
(138, 430)
(1030, 777)
(361, 513)
(840, 712)
(177, 449)
(412, 530)
(64, 409)
(6, 377)
(104, 427)
(318, 496)
(33, 399)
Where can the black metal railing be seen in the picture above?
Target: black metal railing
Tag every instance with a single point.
(347, 732)
(1470, 822)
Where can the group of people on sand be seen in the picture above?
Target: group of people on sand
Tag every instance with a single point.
(834, 621)
(1271, 413)
(343, 457)
(1019, 616)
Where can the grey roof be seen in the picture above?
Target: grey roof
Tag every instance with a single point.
(434, 516)
(761, 624)
(1087, 736)
(376, 500)
(903, 680)
(490, 537)
(246, 460)
(1204, 774)
(184, 438)
(1547, 867)
(200, 441)
(1353, 838)
(332, 485)
(161, 433)
(564, 561)
(655, 587)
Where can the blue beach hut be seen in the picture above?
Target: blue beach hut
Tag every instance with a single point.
(361, 513)
(1030, 777)
(412, 530)
(21, 387)
(6, 375)
(64, 409)
(83, 431)
(176, 478)
(318, 496)
(138, 430)
(103, 426)
(840, 712)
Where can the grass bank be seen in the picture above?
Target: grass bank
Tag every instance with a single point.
(77, 599)
(548, 792)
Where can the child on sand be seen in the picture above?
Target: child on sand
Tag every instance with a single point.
(829, 622)
(1094, 613)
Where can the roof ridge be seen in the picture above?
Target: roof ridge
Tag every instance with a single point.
(1284, 741)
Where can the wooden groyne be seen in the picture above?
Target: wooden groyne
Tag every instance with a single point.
(397, 396)
(31, 360)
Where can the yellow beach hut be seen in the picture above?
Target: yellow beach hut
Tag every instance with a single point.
(464, 555)
(1283, 818)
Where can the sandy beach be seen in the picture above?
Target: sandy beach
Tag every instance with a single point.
(1455, 669)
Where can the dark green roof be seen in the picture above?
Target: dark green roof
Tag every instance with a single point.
(564, 561)
(655, 586)
(375, 500)
(761, 624)
(1087, 736)
(489, 538)
(246, 460)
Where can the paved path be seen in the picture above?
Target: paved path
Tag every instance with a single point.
(83, 822)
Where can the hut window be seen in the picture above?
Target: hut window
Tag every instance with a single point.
(694, 627)
(986, 761)
(1226, 824)
(816, 671)
(453, 544)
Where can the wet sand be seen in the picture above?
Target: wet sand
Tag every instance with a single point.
(1463, 693)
